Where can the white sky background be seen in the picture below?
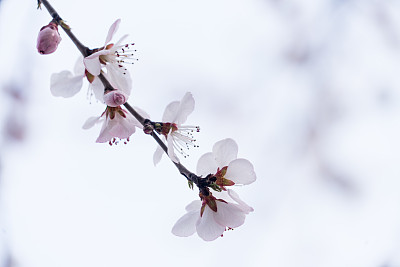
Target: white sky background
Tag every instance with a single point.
(308, 89)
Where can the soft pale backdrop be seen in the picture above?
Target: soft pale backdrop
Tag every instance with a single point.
(308, 89)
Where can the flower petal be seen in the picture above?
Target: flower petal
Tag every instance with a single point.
(207, 228)
(119, 127)
(194, 205)
(171, 152)
(186, 225)
(65, 84)
(79, 68)
(242, 205)
(186, 106)
(225, 151)
(92, 62)
(97, 88)
(89, 123)
(170, 111)
(241, 171)
(229, 215)
(117, 44)
(157, 155)
(113, 29)
(206, 165)
(119, 78)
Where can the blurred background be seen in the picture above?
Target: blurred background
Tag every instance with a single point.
(308, 89)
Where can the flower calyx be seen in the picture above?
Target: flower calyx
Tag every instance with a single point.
(210, 201)
(110, 112)
(221, 181)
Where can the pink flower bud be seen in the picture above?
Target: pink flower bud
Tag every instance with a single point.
(48, 39)
(115, 98)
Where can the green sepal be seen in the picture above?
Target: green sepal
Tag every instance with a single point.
(215, 187)
(190, 184)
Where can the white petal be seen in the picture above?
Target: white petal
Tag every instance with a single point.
(133, 120)
(225, 151)
(157, 155)
(186, 225)
(186, 106)
(171, 152)
(113, 29)
(98, 89)
(206, 165)
(89, 123)
(170, 111)
(65, 84)
(194, 205)
(241, 171)
(229, 214)
(79, 68)
(207, 228)
(119, 78)
(242, 205)
(121, 40)
(92, 62)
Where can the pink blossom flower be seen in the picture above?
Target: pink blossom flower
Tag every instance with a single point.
(223, 163)
(179, 137)
(48, 39)
(118, 124)
(212, 216)
(112, 56)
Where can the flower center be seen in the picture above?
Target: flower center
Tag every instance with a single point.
(119, 55)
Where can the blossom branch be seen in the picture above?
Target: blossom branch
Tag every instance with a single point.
(85, 51)
(217, 211)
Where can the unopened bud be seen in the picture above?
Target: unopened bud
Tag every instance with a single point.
(48, 39)
(115, 98)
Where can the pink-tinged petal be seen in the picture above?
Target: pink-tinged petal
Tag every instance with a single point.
(170, 111)
(186, 106)
(225, 151)
(97, 88)
(229, 215)
(242, 205)
(207, 228)
(113, 29)
(171, 152)
(157, 155)
(241, 171)
(89, 123)
(186, 225)
(119, 127)
(79, 68)
(194, 205)
(114, 98)
(65, 84)
(206, 165)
